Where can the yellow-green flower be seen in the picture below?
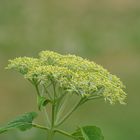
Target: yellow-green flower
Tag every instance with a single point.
(72, 74)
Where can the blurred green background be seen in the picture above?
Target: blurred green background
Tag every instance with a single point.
(107, 32)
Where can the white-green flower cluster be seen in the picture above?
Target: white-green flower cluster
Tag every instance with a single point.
(72, 74)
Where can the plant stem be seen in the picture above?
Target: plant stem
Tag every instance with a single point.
(36, 86)
(95, 97)
(58, 105)
(73, 109)
(47, 117)
(63, 133)
(61, 108)
(40, 127)
(50, 134)
(47, 92)
(51, 131)
(53, 115)
(53, 106)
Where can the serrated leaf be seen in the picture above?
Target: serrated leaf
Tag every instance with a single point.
(42, 101)
(88, 133)
(23, 122)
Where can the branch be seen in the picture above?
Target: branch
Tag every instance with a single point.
(40, 127)
(64, 133)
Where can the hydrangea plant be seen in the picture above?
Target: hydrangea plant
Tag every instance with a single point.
(55, 76)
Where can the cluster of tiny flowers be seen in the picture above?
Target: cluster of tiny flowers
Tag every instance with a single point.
(72, 74)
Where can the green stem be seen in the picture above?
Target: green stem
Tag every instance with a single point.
(50, 134)
(53, 115)
(61, 108)
(53, 106)
(47, 117)
(37, 89)
(54, 90)
(95, 97)
(64, 133)
(69, 114)
(58, 105)
(47, 92)
(40, 127)
(51, 131)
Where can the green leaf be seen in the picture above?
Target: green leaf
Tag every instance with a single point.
(88, 133)
(23, 122)
(42, 101)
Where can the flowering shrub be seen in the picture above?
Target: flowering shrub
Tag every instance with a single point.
(54, 76)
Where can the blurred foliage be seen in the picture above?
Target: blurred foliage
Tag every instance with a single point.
(107, 32)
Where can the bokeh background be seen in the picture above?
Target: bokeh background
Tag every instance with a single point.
(107, 32)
